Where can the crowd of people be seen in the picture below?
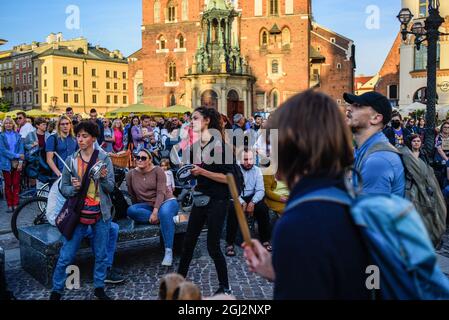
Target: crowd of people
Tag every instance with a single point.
(314, 250)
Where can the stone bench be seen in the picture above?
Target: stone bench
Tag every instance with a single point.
(40, 245)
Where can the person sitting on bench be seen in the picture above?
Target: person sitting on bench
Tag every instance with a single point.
(252, 202)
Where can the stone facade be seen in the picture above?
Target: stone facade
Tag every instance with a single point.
(413, 75)
(273, 37)
(22, 63)
(335, 75)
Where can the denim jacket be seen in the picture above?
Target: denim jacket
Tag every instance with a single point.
(5, 155)
(30, 139)
(106, 185)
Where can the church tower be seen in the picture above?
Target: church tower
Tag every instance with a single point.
(219, 76)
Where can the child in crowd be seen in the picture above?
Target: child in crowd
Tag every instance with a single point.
(165, 165)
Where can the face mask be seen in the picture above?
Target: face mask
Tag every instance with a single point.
(396, 124)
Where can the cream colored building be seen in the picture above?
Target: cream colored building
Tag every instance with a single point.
(80, 76)
(413, 73)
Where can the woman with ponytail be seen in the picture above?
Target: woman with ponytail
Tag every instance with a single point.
(208, 154)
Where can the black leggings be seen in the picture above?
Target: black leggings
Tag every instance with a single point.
(215, 213)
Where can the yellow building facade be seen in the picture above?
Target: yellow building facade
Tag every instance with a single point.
(81, 77)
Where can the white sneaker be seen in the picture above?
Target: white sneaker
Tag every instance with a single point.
(168, 258)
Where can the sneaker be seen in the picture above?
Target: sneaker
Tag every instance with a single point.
(113, 277)
(223, 290)
(100, 294)
(55, 296)
(168, 258)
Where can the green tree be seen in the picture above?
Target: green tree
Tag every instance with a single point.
(4, 105)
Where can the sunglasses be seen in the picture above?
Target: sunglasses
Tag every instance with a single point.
(141, 158)
(20, 118)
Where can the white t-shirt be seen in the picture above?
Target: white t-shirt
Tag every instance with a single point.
(26, 129)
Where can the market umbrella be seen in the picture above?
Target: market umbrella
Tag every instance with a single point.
(178, 109)
(2, 115)
(412, 108)
(139, 108)
(12, 114)
(41, 113)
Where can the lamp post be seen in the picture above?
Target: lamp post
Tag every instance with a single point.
(429, 31)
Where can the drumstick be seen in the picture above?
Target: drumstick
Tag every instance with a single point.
(238, 210)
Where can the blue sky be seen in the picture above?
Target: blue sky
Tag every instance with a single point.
(115, 24)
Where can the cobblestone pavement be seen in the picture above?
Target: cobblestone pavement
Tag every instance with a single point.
(142, 269)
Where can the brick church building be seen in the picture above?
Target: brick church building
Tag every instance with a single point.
(237, 56)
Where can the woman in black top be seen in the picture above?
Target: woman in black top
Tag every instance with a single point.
(208, 154)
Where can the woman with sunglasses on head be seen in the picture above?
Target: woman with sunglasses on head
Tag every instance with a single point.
(210, 170)
(152, 201)
(63, 143)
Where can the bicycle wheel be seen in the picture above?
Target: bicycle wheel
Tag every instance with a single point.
(28, 214)
(42, 192)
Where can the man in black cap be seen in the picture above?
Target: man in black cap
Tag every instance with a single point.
(382, 171)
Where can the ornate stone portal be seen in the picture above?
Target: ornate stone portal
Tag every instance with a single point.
(219, 76)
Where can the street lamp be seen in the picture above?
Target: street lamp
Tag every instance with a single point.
(429, 31)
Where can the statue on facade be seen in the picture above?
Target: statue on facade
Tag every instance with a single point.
(140, 93)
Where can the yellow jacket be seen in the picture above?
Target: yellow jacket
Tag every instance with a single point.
(273, 192)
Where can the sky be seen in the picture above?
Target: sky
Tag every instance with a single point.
(115, 24)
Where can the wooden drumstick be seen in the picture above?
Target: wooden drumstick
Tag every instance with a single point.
(239, 211)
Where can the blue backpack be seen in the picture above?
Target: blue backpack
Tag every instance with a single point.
(398, 243)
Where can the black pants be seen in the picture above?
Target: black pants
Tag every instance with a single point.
(261, 214)
(215, 213)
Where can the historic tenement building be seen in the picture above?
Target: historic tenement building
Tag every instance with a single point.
(237, 56)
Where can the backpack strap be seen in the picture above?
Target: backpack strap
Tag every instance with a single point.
(377, 147)
(331, 194)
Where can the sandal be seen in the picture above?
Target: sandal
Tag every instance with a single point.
(267, 245)
(230, 251)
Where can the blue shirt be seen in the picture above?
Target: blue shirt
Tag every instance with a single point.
(383, 171)
(11, 138)
(65, 147)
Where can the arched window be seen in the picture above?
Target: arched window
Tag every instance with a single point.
(157, 11)
(274, 7)
(263, 38)
(171, 11)
(162, 43)
(180, 41)
(274, 99)
(274, 67)
(172, 72)
(172, 100)
(420, 95)
(285, 36)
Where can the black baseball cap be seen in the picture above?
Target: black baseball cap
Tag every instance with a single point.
(374, 100)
